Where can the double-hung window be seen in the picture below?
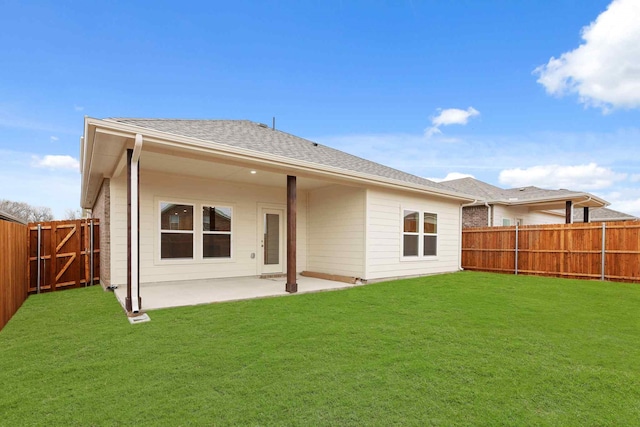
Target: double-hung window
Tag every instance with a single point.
(176, 230)
(430, 236)
(216, 232)
(419, 234)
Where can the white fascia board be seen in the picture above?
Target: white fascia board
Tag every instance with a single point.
(152, 136)
(583, 197)
(87, 155)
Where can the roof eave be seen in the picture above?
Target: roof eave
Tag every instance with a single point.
(219, 148)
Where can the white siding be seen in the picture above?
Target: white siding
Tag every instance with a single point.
(529, 217)
(243, 198)
(336, 230)
(384, 231)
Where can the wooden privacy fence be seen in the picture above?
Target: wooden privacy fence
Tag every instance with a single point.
(63, 255)
(13, 269)
(605, 251)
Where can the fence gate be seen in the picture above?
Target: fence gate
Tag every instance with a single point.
(63, 255)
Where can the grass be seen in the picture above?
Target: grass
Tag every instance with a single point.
(458, 349)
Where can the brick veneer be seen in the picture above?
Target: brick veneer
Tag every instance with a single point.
(101, 210)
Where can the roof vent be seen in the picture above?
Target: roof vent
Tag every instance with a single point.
(262, 125)
(315, 144)
(522, 189)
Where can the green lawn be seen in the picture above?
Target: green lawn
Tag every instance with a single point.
(458, 349)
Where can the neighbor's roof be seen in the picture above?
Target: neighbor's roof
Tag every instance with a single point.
(8, 217)
(261, 138)
(521, 195)
(602, 214)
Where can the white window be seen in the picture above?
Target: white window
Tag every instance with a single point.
(430, 237)
(419, 234)
(216, 231)
(411, 233)
(176, 230)
(506, 221)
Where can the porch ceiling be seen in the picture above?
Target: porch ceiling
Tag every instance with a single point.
(217, 170)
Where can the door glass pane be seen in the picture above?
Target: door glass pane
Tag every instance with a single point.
(271, 239)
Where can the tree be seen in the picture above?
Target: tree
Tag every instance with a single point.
(26, 211)
(72, 213)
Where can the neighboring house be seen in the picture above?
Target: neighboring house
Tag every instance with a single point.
(602, 215)
(230, 198)
(495, 206)
(7, 217)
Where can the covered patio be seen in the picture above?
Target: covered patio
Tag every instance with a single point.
(206, 291)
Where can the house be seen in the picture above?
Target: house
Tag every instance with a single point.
(603, 215)
(200, 199)
(494, 206)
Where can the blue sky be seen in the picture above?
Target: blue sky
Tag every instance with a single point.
(514, 93)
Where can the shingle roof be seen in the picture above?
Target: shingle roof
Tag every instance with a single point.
(491, 193)
(261, 138)
(602, 214)
(11, 218)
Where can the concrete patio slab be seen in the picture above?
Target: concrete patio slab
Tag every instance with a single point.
(194, 292)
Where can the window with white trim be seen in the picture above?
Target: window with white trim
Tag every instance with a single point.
(430, 236)
(419, 234)
(176, 230)
(411, 233)
(216, 231)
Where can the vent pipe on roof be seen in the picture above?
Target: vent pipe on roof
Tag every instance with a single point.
(274, 123)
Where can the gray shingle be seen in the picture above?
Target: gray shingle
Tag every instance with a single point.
(261, 138)
(602, 214)
(491, 193)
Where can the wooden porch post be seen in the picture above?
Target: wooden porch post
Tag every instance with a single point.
(292, 285)
(568, 217)
(585, 215)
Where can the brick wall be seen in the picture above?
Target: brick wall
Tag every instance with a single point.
(475, 216)
(101, 211)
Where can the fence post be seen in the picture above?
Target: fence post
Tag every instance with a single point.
(38, 256)
(516, 260)
(604, 252)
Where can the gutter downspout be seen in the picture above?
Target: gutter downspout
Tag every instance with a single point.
(460, 233)
(135, 219)
(489, 214)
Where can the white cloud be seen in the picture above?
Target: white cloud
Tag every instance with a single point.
(33, 185)
(451, 176)
(625, 200)
(580, 177)
(78, 108)
(55, 162)
(635, 177)
(450, 116)
(604, 71)
(54, 138)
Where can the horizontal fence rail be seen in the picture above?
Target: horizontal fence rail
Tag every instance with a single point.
(605, 251)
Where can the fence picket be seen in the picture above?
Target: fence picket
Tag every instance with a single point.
(581, 250)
